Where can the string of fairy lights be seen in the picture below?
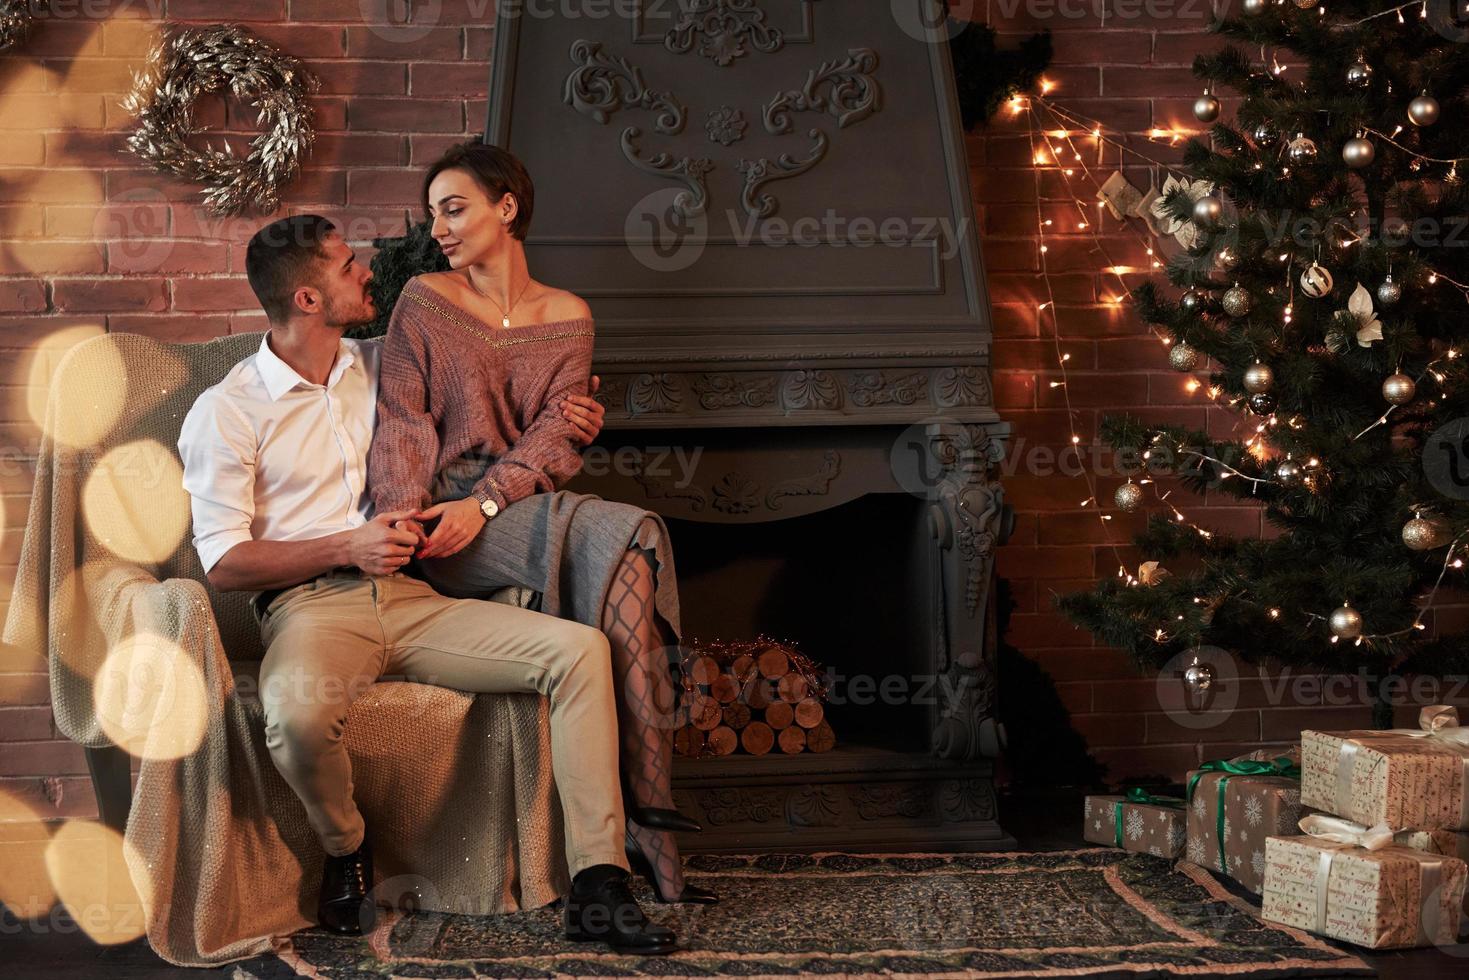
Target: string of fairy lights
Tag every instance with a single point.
(1055, 147)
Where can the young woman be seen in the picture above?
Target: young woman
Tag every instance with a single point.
(475, 364)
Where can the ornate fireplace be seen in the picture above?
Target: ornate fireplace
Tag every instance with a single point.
(766, 203)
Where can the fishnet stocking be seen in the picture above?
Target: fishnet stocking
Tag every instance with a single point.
(641, 666)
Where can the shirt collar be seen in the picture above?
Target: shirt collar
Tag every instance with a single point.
(280, 377)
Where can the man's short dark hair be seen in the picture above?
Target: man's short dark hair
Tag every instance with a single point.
(284, 256)
(495, 169)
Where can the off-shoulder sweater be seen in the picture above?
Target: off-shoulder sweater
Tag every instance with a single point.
(455, 391)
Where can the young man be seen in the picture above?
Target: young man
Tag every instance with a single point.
(275, 458)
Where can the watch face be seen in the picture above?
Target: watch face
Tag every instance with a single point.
(489, 508)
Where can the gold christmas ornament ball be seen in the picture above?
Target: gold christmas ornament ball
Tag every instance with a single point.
(1399, 389)
(1423, 111)
(1389, 292)
(1421, 534)
(1259, 378)
(1206, 108)
(1129, 497)
(1307, 4)
(1358, 152)
(1207, 211)
(1359, 75)
(1346, 622)
(1237, 301)
(1182, 357)
(1302, 150)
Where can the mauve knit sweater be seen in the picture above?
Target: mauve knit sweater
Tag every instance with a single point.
(456, 391)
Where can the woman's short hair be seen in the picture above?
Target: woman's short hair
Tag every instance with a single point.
(495, 169)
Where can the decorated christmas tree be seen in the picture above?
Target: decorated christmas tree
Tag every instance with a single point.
(1323, 287)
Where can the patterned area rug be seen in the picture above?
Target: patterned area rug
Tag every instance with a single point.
(1056, 914)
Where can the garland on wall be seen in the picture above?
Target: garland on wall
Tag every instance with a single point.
(188, 64)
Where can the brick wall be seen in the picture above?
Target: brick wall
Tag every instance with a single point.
(91, 242)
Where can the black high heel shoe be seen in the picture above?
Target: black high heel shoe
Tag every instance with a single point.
(659, 818)
(639, 862)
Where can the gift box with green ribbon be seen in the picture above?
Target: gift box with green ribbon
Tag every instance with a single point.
(1136, 821)
(1407, 778)
(1361, 885)
(1233, 805)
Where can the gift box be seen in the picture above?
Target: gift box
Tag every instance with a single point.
(1384, 898)
(1136, 822)
(1413, 778)
(1233, 807)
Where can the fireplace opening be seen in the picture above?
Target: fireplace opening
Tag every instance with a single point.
(850, 587)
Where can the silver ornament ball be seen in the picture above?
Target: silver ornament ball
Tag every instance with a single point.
(1206, 108)
(1316, 281)
(1253, 8)
(1129, 497)
(1265, 134)
(1288, 472)
(1198, 677)
(1358, 152)
(1421, 534)
(1192, 300)
(1399, 389)
(1423, 111)
(1182, 357)
(1262, 404)
(1302, 150)
(1346, 622)
(1359, 75)
(1207, 211)
(1237, 301)
(1259, 378)
(1389, 292)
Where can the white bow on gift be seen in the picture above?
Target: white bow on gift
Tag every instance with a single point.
(1340, 831)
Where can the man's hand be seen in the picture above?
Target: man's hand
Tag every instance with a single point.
(459, 522)
(414, 527)
(379, 548)
(585, 412)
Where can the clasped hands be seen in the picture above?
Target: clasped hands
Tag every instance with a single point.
(385, 544)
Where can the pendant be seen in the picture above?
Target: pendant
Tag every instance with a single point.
(505, 321)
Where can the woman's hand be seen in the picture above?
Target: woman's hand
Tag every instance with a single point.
(585, 412)
(459, 522)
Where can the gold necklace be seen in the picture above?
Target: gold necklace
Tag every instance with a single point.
(504, 313)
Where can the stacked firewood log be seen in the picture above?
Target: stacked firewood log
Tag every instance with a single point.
(753, 697)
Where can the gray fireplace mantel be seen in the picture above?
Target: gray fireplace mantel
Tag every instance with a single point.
(766, 204)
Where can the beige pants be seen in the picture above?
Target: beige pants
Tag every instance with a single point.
(329, 639)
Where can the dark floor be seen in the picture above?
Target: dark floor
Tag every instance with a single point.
(1040, 822)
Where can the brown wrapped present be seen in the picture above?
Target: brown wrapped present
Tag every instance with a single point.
(1417, 778)
(1378, 894)
(1451, 843)
(1233, 807)
(1136, 822)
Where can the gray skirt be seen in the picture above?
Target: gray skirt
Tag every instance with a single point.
(563, 546)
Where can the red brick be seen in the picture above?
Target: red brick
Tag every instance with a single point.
(1109, 729)
(1132, 763)
(306, 41)
(406, 115)
(23, 688)
(1241, 725)
(22, 296)
(479, 43)
(37, 758)
(213, 294)
(359, 150)
(54, 258)
(208, 10)
(26, 724)
(384, 187)
(355, 78)
(165, 256)
(1286, 724)
(1030, 631)
(52, 111)
(437, 80)
(177, 329)
(433, 44)
(52, 797)
(101, 295)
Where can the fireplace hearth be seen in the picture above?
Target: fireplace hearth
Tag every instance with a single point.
(769, 213)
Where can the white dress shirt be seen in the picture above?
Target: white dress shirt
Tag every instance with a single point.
(268, 456)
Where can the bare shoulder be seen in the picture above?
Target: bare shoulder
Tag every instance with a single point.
(562, 304)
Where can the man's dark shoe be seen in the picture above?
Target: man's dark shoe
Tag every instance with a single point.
(601, 909)
(344, 906)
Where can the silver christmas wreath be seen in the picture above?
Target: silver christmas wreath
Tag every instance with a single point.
(191, 63)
